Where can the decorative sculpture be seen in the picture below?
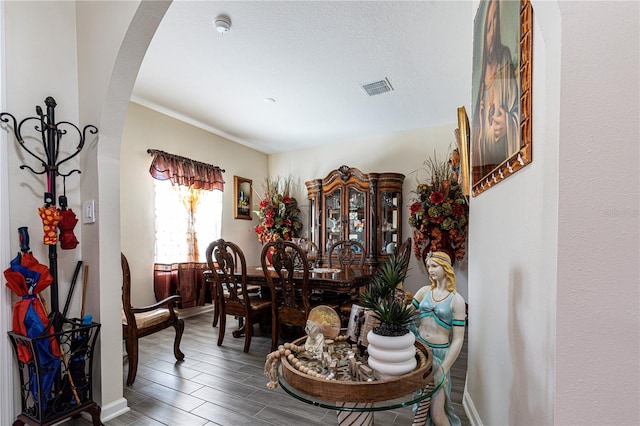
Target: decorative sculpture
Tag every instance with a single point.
(315, 339)
(442, 315)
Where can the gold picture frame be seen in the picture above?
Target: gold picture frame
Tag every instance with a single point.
(463, 146)
(242, 190)
(501, 129)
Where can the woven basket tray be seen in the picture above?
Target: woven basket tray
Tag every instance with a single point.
(351, 391)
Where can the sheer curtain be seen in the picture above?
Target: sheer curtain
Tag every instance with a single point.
(188, 207)
(187, 220)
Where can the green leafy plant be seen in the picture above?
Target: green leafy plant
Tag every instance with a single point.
(386, 299)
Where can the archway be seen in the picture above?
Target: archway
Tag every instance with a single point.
(138, 36)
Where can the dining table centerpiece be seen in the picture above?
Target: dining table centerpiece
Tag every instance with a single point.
(278, 211)
(439, 211)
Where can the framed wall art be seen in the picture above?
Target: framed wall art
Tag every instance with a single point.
(242, 190)
(501, 91)
(462, 136)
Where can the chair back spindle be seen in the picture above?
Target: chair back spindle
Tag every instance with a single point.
(346, 253)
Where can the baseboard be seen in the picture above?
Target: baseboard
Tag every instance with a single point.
(196, 310)
(470, 409)
(113, 410)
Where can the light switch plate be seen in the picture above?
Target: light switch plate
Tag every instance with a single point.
(89, 211)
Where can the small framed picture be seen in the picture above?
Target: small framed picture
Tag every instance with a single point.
(242, 189)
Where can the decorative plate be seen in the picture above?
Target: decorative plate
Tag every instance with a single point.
(327, 319)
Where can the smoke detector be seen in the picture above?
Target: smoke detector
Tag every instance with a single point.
(223, 24)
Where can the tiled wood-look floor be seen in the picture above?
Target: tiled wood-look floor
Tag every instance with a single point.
(224, 386)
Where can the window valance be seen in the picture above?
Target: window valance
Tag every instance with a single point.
(185, 171)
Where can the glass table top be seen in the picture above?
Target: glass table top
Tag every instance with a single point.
(398, 401)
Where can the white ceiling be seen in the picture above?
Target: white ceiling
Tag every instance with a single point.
(311, 57)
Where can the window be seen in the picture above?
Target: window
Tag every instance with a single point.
(187, 220)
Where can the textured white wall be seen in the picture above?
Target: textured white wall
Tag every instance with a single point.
(31, 79)
(598, 333)
(112, 38)
(544, 346)
(6, 301)
(512, 266)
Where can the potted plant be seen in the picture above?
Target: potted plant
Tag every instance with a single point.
(390, 344)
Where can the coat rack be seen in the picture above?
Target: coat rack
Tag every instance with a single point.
(51, 134)
(55, 373)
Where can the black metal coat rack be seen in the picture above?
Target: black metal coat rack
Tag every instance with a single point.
(51, 133)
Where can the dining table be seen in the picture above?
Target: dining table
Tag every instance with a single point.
(338, 280)
(345, 281)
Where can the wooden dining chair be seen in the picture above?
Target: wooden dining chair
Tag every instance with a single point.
(310, 249)
(346, 253)
(139, 322)
(228, 268)
(208, 277)
(287, 274)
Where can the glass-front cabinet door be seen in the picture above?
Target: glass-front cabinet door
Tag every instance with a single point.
(333, 222)
(390, 213)
(357, 216)
(389, 204)
(312, 230)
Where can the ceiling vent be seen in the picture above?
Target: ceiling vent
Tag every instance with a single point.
(377, 87)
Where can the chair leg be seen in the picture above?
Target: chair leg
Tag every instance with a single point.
(216, 314)
(131, 344)
(216, 306)
(179, 326)
(248, 331)
(222, 326)
(274, 333)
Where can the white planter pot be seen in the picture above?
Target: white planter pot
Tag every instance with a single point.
(391, 356)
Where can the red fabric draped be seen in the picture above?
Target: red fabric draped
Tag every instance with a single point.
(17, 282)
(184, 171)
(18, 325)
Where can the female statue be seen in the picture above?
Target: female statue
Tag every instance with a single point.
(440, 326)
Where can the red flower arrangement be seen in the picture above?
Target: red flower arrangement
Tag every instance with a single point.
(278, 212)
(439, 213)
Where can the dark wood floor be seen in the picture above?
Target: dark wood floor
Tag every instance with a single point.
(224, 386)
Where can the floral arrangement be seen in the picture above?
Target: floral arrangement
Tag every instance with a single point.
(439, 213)
(278, 212)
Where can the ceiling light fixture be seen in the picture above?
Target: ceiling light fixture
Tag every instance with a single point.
(223, 24)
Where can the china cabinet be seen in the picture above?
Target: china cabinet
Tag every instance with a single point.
(351, 205)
